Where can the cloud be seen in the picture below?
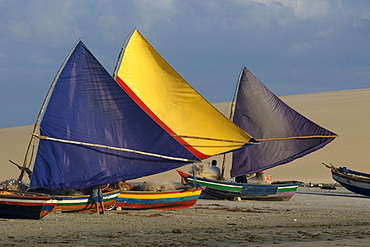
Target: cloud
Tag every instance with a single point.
(298, 9)
(47, 23)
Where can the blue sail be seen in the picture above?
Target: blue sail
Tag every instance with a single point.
(284, 134)
(88, 106)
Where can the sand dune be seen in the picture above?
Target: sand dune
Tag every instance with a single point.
(346, 113)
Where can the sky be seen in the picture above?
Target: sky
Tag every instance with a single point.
(293, 47)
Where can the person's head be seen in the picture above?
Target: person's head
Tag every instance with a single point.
(214, 162)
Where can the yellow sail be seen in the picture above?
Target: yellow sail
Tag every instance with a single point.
(173, 103)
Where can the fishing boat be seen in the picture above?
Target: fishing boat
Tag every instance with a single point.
(357, 182)
(81, 203)
(75, 110)
(158, 200)
(68, 200)
(283, 133)
(25, 205)
(197, 129)
(229, 190)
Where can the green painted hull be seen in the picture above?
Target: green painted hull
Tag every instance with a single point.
(230, 190)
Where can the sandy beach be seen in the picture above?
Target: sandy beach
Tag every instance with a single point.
(313, 217)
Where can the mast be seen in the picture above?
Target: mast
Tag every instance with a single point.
(232, 108)
(120, 56)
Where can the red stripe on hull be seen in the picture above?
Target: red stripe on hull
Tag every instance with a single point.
(26, 203)
(43, 213)
(157, 206)
(158, 121)
(158, 194)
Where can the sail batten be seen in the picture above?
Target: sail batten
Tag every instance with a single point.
(295, 137)
(213, 139)
(110, 147)
(283, 133)
(172, 102)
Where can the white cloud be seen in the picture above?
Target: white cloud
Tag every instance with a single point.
(290, 13)
(302, 9)
(311, 10)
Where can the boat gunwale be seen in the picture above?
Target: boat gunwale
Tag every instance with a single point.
(350, 176)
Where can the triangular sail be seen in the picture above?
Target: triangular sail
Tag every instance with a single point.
(173, 103)
(285, 135)
(88, 121)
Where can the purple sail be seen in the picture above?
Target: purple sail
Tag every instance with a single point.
(284, 134)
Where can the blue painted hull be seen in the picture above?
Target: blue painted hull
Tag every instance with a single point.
(23, 205)
(352, 183)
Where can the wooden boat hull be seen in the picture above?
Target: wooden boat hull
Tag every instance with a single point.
(221, 190)
(81, 203)
(139, 200)
(23, 205)
(352, 183)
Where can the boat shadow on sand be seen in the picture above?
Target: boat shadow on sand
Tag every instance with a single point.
(331, 193)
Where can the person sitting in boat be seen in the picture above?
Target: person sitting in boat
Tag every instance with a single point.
(244, 178)
(241, 179)
(216, 169)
